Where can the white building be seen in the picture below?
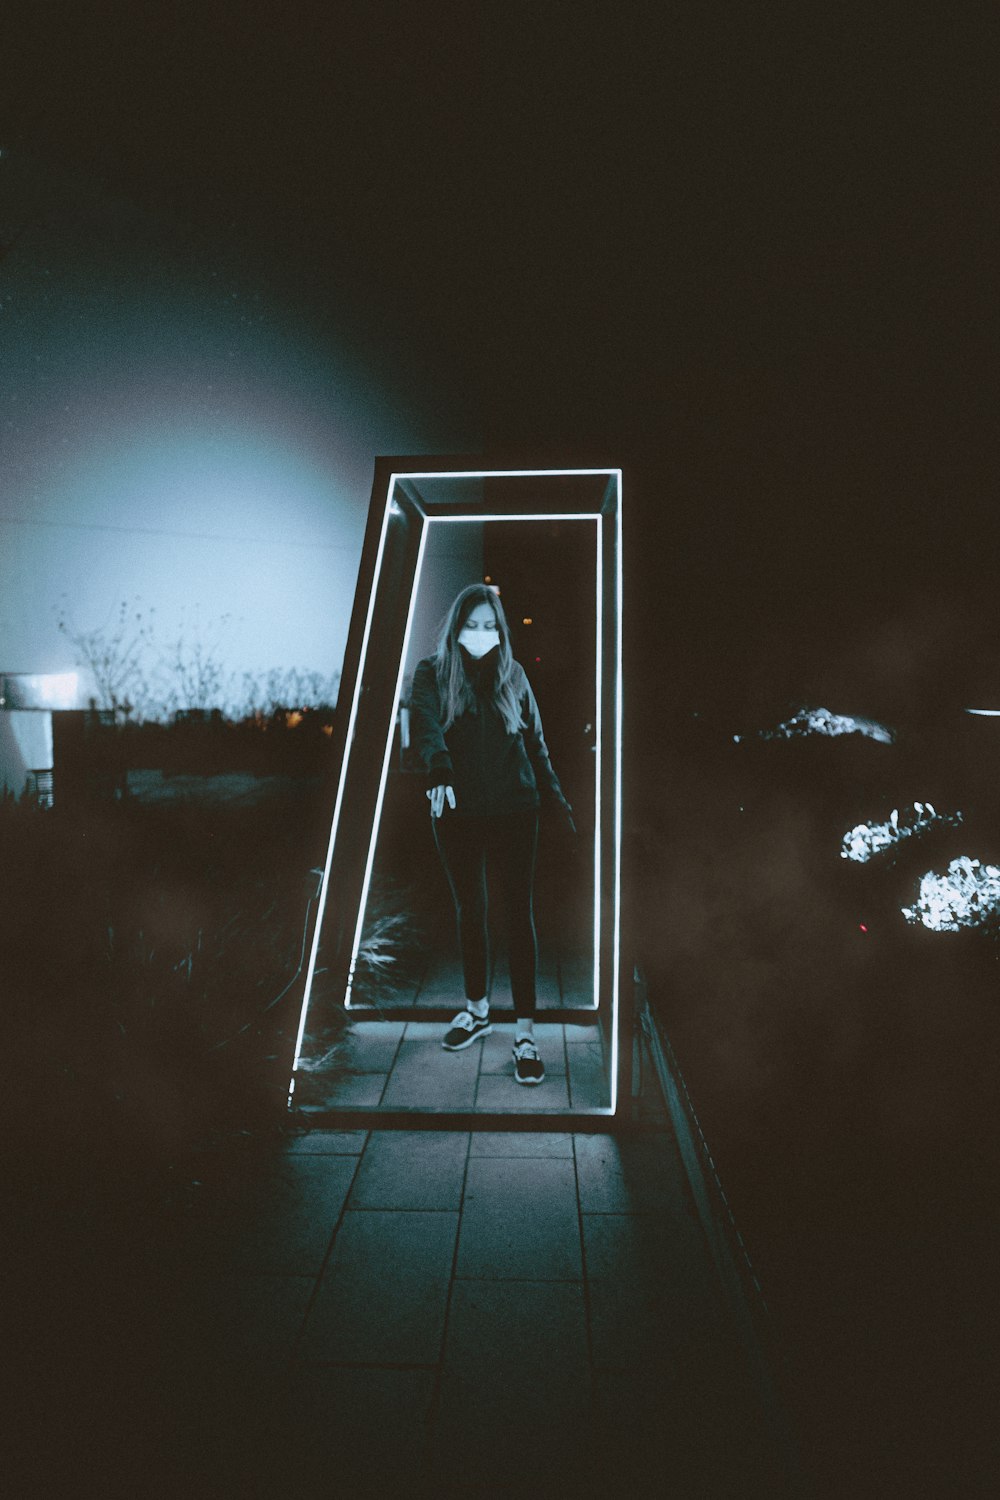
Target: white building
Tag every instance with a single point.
(27, 702)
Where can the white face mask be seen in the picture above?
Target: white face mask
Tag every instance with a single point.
(478, 642)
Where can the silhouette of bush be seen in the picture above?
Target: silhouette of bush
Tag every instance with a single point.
(140, 950)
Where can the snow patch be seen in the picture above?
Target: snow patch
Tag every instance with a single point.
(965, 896)
(869, 839)
(822, 721)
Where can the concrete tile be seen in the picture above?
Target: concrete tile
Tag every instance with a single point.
(579, 1035)
(425, 1076)
(521, 1143)
(649, 1247)
(311, 1088)
(548, 995)
(451, 996)
(653, 1297)
(370, 1046)
(588, 1081)
(411, 1169)
(506, 1096)
(328, 1143)
(519, 1219)
(498, 1055)
(383, 1293)
(355, 1432)
(576, 980)
(516, 1366)
(426, 1031)
(279, 1221)
(444, 984)
(622, 1175)
(529, 1333)
(547, 992)
(349, 1089)
(646, 1327)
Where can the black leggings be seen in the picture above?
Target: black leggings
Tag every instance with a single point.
(512, 840)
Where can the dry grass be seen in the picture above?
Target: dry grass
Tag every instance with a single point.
(141, 952)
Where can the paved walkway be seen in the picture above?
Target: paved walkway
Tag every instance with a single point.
(564, 977)
(425, 1312)
(435, 1312)
(393, 1065)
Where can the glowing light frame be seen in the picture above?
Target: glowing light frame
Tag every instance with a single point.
(391, 508)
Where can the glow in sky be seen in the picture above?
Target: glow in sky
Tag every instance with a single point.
(172, 430)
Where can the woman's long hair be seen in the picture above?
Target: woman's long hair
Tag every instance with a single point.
(455, 691)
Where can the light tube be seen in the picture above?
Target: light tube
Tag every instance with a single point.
(321, 904)
(392, 507)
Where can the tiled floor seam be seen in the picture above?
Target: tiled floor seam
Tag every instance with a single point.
(475, 1105)
(291, 1358)
(524, 1280)
(374, 1208)
(433, 1409)
(585, 1282)
(395, 1055)
(395, 1059)
(361, 1364)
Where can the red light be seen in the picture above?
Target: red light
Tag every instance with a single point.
(538, 658)
(863, 927)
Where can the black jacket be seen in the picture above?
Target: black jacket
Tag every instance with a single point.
(491, 770)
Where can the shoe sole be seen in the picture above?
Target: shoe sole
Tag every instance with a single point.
(461, 1046)
(529, 1081)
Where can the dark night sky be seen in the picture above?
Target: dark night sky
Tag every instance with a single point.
(749, 250)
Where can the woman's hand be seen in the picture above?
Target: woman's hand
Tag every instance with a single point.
(437, 796)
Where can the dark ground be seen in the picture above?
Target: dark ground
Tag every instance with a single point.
(845, 1083)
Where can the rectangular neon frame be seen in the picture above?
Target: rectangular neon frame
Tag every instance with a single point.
(391, 507)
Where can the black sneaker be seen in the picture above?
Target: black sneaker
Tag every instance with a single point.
(465, 1029)
(528, 1066)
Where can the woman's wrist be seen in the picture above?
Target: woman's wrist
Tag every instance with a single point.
(440, 775)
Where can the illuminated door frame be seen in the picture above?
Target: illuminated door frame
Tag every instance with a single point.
(396, 479)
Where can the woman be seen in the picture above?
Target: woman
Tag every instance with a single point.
(475, 725)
